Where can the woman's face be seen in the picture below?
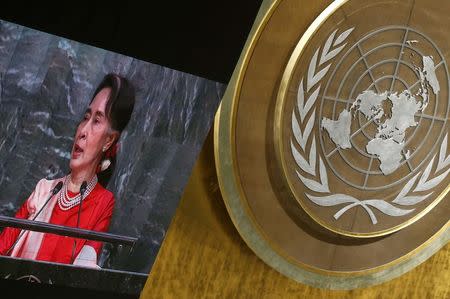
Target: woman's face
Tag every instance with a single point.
(93, 133)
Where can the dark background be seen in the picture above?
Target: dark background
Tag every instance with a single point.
(204, 38)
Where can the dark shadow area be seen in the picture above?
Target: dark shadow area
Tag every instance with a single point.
(204, 38)
(25, 289)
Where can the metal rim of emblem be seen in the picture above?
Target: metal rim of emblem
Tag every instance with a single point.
(241, 214)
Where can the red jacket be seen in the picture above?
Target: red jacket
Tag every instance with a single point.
(95, 215)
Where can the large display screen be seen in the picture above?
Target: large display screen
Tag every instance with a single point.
(95, 141)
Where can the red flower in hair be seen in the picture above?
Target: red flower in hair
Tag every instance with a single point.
(112, 151)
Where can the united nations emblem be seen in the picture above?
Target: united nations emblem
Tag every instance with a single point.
(368, 145)
(332, 146)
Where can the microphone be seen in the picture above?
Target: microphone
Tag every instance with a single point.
(83, 188)
(54, 191)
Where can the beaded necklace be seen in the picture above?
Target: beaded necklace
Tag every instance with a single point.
(65, 202)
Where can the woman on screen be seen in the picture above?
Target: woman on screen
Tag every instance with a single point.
(92, 160)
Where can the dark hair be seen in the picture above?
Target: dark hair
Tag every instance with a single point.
(118, 111)
(121, 100)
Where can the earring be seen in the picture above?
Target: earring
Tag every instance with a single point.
(104, 148)
(105, 164)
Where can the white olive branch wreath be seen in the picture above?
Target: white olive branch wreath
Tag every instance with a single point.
(308, 162)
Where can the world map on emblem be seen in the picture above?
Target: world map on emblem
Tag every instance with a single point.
(392, 112)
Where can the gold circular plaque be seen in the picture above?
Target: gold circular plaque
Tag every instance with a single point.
(331, 141)
(361, 119)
